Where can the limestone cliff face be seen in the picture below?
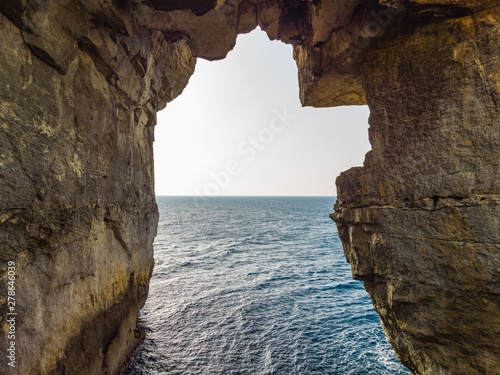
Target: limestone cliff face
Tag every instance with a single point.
(79, 91)
(420, 222)
(80, 85)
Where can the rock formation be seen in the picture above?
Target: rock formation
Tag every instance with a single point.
(80, 85)
(420, 222)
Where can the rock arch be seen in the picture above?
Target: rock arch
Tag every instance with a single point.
(80, 85)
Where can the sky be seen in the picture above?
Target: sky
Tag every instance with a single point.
(239, 129)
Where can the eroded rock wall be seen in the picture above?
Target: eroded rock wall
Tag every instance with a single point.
(79, 96)
(420, 222)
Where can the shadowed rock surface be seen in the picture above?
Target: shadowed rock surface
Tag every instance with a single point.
(420, 222)
(80, 85)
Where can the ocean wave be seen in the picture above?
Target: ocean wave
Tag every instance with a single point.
(256, 286)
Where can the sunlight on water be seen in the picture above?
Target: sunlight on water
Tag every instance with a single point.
(256, 286)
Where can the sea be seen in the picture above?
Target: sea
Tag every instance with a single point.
(256, 285)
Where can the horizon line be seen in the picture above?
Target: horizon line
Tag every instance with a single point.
(242, 196)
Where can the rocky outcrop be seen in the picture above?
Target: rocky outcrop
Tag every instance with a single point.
(420, 221)
(79, 92)
(80, 85)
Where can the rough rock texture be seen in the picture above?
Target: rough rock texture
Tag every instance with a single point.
(420, 222)
(80, 85)
(78, 215)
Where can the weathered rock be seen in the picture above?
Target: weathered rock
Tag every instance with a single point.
(211, 36)
(80, 85)
(77, 207)
(420, 221)
(327, 16)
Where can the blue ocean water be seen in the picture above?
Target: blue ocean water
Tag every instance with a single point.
(256, 285)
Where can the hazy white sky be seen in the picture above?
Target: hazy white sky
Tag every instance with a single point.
(238, 129)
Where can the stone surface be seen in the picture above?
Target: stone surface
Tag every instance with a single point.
(210, 36)
(77, 206)
(420, 221)
(80, 85)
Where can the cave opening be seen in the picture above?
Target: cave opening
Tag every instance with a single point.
(250, 273)
(81, 83)
(239, 129)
